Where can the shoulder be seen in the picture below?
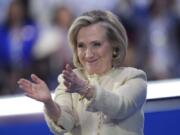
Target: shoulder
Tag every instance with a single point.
(130, 73)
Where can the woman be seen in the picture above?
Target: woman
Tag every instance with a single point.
(99, 96)
(18, 35)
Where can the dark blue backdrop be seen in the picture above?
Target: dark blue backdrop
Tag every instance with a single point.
(156, 123)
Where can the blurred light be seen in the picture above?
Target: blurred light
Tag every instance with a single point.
(163, 89)
(19, 105)
(22, 105)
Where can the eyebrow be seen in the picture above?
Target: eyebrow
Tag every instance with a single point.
(94, 41)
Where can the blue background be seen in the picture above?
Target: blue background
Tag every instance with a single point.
(156, 123)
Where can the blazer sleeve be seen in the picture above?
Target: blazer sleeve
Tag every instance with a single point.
(123, 100)
(66, 121)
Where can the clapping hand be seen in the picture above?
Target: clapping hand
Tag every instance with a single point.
(72, 82)
(36, 89)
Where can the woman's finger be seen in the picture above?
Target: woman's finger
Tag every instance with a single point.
(71, 75)
(68, 67)
(67, 73)
(67, 84)
(36, 79)
(25, 83)
(67, 78)
(26, 88)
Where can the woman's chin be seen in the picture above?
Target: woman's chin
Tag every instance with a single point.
(91, 71)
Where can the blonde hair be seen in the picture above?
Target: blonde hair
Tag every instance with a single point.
(115, 33)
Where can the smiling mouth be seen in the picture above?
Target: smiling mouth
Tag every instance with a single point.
(91, 61)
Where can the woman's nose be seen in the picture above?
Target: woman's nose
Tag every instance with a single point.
(89, 53)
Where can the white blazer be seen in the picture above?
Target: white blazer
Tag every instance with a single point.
(115, 110)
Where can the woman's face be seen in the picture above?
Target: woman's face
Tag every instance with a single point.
(16, 12)
(94, 50)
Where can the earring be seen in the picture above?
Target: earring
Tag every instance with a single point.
(114, 53)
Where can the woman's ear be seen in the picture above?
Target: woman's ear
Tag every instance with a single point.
(115, 52)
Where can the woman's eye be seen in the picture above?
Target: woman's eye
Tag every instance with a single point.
(80, 45)
(97, 44)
